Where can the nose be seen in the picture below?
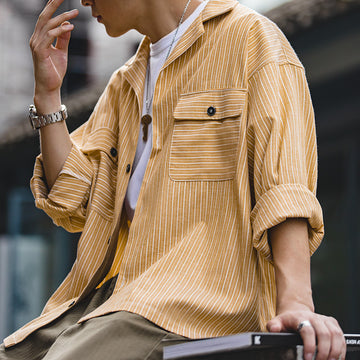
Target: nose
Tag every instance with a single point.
(86, 2)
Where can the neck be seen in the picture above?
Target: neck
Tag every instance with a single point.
(161, 17)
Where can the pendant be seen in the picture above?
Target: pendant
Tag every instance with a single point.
(146, 121)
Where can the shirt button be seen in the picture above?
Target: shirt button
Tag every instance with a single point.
(113, 152)
(211, 111)
(128, 168)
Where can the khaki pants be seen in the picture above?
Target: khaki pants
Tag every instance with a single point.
(116, 336)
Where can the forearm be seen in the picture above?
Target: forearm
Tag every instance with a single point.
(54, 139)
(290, 248)
(50, 64)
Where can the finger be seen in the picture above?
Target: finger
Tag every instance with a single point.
(57, 33)
(338, 344)
(45, 24)
(62, 41)
(47, 13)
(50, 29)
(323, 338)
(50, 9)
(274, 325)
(308, 336)
(60, 19)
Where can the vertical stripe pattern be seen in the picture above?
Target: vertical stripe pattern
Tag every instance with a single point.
(234, 153)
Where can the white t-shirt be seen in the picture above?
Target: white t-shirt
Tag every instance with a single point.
(158, 53)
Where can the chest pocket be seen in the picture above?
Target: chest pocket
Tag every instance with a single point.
(206, 135)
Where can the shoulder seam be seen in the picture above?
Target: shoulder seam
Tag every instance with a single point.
(281, 63)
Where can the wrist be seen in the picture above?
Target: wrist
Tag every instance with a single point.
(47, 103)
(294, 304)
(293, 289)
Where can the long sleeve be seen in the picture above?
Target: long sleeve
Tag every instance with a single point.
(68, 201)
(282, 152)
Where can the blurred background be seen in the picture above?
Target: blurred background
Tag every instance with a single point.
(35, 255)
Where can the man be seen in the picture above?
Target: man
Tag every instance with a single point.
(193, 184)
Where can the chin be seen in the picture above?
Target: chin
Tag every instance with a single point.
(115, 33)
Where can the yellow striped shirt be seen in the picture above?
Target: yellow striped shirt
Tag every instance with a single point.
(234, 153)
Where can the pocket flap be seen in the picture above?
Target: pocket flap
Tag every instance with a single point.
(210, 105)
(103, 139)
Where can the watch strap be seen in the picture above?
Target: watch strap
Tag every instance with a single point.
(39, 121)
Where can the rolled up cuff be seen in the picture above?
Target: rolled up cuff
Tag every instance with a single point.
(71, 189)
(280, 203)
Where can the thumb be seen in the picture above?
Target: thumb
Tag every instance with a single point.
(275, 325)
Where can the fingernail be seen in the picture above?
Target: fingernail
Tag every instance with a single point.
(309, 356)
(68, 27)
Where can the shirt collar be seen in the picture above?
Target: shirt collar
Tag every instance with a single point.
(217, 7)
(135, 69)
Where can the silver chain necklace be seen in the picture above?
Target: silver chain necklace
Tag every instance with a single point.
(147, 119)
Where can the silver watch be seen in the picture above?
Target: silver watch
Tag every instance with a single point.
(39, 121)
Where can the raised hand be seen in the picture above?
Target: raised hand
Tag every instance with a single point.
(50, 64)
(50, 61)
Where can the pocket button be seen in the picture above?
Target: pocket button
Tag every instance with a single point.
(211, 111)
